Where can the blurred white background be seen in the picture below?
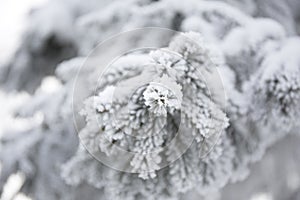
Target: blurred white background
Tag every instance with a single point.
(12, 22)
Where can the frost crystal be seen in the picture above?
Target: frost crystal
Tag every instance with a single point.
(160, 99)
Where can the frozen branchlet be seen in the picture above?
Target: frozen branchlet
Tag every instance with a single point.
(145, 120)
(277, 95)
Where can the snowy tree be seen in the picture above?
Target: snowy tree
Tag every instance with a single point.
(155, 116)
